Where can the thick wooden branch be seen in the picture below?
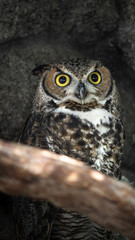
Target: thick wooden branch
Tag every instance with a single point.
(67, 183)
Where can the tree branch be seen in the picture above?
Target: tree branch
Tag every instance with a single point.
(67, 183)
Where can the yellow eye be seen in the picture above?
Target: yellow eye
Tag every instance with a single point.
(62, 80)
(94, 77)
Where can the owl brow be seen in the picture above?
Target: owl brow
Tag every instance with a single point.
(98, 64)
(38, 70)
(57, 69)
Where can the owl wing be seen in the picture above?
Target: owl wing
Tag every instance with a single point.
(33, 219)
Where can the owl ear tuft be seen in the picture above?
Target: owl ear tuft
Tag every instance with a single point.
(39, 70)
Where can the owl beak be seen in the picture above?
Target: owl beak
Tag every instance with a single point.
(81, 91)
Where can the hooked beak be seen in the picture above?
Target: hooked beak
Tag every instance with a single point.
(81, 91)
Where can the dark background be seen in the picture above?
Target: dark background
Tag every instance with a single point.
(38, 32)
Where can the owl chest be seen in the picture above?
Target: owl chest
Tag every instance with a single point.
(76, 136)
(69, 135)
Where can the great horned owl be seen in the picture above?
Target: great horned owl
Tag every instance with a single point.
(76, 112)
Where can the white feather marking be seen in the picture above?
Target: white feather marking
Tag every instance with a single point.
(101, 152)
(95, 116)
(98, 164)
(50, 145)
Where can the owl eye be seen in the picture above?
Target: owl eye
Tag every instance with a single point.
(62, 80)
(94, 77)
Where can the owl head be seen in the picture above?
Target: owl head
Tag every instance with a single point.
(79, 82)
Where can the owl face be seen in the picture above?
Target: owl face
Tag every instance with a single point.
(79, 81)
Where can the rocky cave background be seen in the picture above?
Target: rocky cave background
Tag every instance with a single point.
(38, 32)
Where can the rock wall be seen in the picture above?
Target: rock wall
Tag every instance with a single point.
(36, 32)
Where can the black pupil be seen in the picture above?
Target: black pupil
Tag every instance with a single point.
(94, 77)
(62, 79)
